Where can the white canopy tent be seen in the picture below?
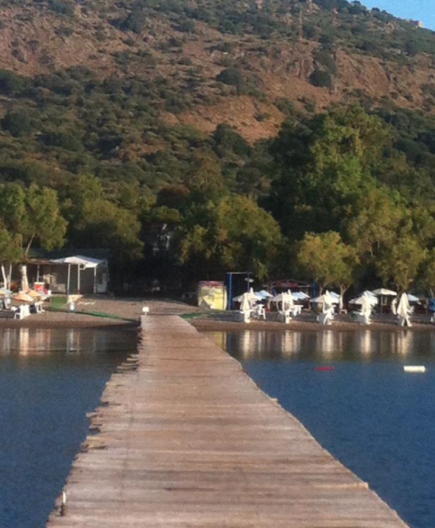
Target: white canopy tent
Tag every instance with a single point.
(82, 263)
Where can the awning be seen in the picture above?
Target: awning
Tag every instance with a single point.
(85, 262)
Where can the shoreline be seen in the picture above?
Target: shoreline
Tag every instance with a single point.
(308, 324)
(64, 320)
(124, 313)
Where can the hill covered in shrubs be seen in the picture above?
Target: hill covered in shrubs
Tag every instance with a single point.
(157, 122)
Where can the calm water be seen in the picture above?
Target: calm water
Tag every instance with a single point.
(49, 379)
(376, 419)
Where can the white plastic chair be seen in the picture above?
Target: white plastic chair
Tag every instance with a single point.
(18, 312)
(260, 311)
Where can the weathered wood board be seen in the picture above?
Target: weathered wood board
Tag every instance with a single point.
(185, 439)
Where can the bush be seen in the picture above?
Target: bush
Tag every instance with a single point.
(17, 123)
(62, 7)
(309, 31)
(134, 22)
(326, 60)
(321, 79)
(231, 76)
(63, 140)
(187, 26)
(11, 83)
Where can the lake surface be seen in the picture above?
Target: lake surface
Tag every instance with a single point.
(371, 415)
(49, 380)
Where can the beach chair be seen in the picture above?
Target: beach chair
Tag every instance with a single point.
(260, 311)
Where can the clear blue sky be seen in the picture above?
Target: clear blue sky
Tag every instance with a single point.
(423, 10)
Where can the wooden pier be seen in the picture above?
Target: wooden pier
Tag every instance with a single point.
(185, 439)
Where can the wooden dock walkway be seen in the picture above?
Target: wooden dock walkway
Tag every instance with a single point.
(185, 439)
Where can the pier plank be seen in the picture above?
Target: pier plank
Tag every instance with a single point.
(185, 439)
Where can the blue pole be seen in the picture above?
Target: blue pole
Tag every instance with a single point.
(230, 290)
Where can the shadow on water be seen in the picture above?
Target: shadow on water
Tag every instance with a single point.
(49, 380)
(371, 415)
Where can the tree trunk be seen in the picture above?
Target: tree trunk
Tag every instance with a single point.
(343, 290)
(5, 279)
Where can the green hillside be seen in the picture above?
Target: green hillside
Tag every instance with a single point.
(191, 138)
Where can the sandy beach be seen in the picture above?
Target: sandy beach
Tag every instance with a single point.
(307, 322)
(101, 311)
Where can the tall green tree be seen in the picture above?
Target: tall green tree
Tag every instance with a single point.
(427, 270)
(324, 167)
(400, 264)
(31, 216)
(97, 222)
(233, 234)
(328, 260)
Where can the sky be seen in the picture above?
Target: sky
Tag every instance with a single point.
(415, 9)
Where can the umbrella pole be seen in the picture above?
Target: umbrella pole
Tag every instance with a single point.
(68, 282)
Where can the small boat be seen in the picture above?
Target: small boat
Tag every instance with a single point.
(324, 369)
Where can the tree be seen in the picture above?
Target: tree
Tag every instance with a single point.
(375, 223)
(233, 234)
(97, 222)
(428, 272)
(325, 168)
(321, 79)
(327, 260)
(400, 263)
(17, 123)
(204, 178)
(32, 215)
(10, 253)
(28, 216)
(231, 76)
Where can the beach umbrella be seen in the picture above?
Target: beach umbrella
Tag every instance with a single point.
(413, 298)
(327, 298)
(265, 294)
(22, 297)
(335, 297)
(259, 296)
(287, 301)
(371, 296)
(300, 296)
(277, 298)
(404, 310)
(245, 303)
(367, 303)
(282, 296)
(238, 298)
(384, 292)
(34, 294)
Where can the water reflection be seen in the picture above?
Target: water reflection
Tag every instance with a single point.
(328, 345)
(49, 379)
(368, 412)
(29, 341)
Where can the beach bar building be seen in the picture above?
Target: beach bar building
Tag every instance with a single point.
(70, 275)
